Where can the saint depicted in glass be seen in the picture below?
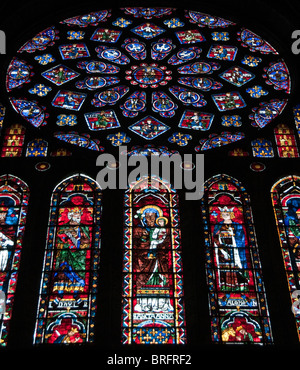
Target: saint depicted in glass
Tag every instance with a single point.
(286, 203)
(67, 304)
(237, 298)
(153, 311)
(14, 196)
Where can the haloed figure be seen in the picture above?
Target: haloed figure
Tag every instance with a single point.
(230, 252)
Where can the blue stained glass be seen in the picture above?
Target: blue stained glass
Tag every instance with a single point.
(238, 308)
(137, 61)
(14, 198)
(67, 301)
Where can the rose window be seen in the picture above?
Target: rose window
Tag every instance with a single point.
(148, 75)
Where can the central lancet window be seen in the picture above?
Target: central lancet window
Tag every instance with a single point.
(153, 309)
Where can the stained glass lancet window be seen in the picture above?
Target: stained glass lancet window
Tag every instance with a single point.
(14, 197)
(237, 298)
(67, 303)
(153, 307)
(286, 203)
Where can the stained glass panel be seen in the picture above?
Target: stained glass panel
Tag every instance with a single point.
(37, 148)
(262, 148)
(67, 303)
(141, 67)
(286, 203)
(153, 307)
(14, 197)
(237, 298)
(13, 141)
(286, 141)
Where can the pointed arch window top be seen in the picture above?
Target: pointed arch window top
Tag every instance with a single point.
(153, 296)
(285, 195)
(153, 183)
(67, 302)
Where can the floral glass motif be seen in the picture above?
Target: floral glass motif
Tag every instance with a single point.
(237, 299)
(14, 197)
(67, 301)
(256, 91)
(262, 148)
(40, 90)
(148, 62)
(44, 59)
(37, 148)
(153, 307)
(285, 195)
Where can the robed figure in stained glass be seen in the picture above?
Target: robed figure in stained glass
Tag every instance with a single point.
(67, 303)
(73, 242)
(65, 330)
(229, 242)
(14, 197)
(151, 261)
(8, 217)
(236, 289)
(153, 308)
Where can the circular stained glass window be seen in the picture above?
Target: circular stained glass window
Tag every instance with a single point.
(148, 76)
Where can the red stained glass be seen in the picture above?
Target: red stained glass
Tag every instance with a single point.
(153, 310)
(67, 304)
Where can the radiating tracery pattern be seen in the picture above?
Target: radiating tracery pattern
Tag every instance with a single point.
(148, 65)
(286, 204)
(14, 197)
(67, 303)
(153, 309)
(237, 298)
